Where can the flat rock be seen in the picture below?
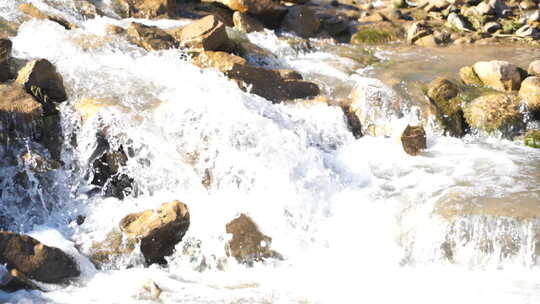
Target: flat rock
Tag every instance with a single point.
(207, 33)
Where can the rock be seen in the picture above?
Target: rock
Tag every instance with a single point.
(152, 289)
(492, 27)
(259, 79)
(148, 9)
(413, 140)
(5, 54)
(527, 31)
(532, 139)
(301, 20)
(375, 33)
(11, 281)
(534, 17)
(207, 33)
(399, 3)
(39, 78)
(38, 163)
(534, 68)
(87, 9)
(8, 28)
(436, 5)
(245, 23)
(353, 122)
(460, 22)
(500, 8)
(418, 30)
(494, 112)
(468, 76)
(528, 5)
(484, 9)
(31, 10)
(36, 260)
(248, 244)
(443, 93)
(427, 41)
(111, 249)
(254, 7)
(112, 29)
(500, 75)
(158, 230)
(20, 113)
(150, 38)
(530, 92)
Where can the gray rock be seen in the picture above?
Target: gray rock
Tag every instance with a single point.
(460, 22)
(527, 31)
(492, 27)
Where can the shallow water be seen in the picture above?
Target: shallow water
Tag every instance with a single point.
(357, 220)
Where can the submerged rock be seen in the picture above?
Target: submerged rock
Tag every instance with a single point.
(207, 33)
(530, 92)
(106, 167)
(157, 230)
(494, 112)
(149, 9)
(413, 140)
(248, 244)
(500, 75)
(532, 138)
(150, 38)
(301, 20)
(36, 260)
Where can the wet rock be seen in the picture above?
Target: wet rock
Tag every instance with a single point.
(20, 113)
(112, 29)
(11, 281)
(245, 23)
(31, 10)
(492, 27)
(148, 9)
(442, 89)
(468, 76)
(106, 166)
(207, 33)
(248, 244)
(353, 122)
(5, 54)
(8, 28)
(494, 112)
(87, 9)
(301, 20)
(375, 33)
(417, 30)
(152, 289)
(532, 139)
(157, 230)
(150, 38)
(39, 78)
(254, 7)
(534, 68)
(413, 140)
(38, 163)
(443, 93)
(259, 79)
(36, 260)
(500, 75)
(530, 92)
(460, 22)
(527, 31)
(113, 248)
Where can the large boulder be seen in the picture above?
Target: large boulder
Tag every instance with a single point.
(39, 78)
(443, 93)
(150, 38)
(270, 84)
(157, 230)
(207, 33)
(5, 54)
(36, 260)
(494, 112)
(20, 113)
(301, 20)
(149, 9)
(245, 23)
(413, 140)
(500, 75)
(248, 243)
(530, 92)
(32, 11)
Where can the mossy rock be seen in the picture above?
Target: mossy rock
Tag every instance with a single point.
(8, 28)
(377, 33)
(468, 76)
(532, 139)
(444, 94)
(495, 112)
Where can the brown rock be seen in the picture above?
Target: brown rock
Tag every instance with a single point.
(35, 260)
(500, 75)
(468, 76)
(149, 9)
(20, 114)
(245, 23)
(150, 38)
(39, 78)
(530, 92)
(15, 280)
(207, 33)
(31, 10)
(413, 140)
(534, 68)
(157, 230)
(494, 112)
(5, 54)
(259, 79)
(427, 41)
(301, 20)
(255, 7)
(114, 30)
(417, 30)
(248, 244)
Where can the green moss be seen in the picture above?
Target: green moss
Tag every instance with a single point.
(445, 96)
(468, 76)
(532, 139)
(372, 36)
(510, 25)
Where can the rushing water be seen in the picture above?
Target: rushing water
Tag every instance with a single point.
(356, 220)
